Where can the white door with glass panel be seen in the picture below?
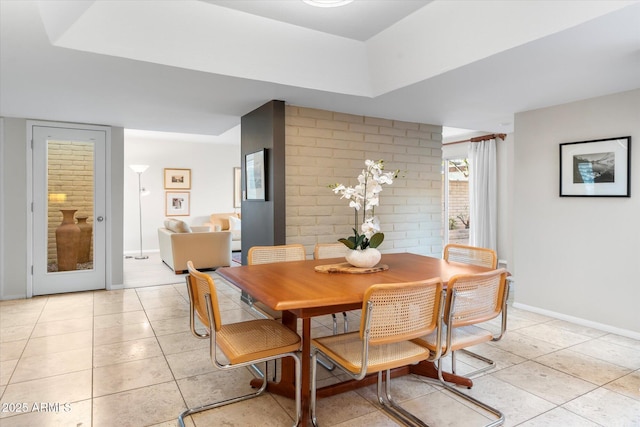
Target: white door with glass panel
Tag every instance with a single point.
(69, 207)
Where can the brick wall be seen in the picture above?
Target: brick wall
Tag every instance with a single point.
(325, 147)
(70, 173)
(459, 201)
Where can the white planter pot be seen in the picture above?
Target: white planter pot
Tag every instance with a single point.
(363, 258)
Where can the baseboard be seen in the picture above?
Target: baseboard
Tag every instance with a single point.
(12, 297)
(579, 321)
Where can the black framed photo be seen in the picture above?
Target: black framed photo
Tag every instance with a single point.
(254, 167)
(598, 168)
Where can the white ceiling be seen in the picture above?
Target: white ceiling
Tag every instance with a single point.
(349, 22)
(194, 66)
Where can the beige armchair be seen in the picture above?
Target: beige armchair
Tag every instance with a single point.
(206, 249)
(222, 222)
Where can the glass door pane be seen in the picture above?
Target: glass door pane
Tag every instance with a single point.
(70, 204)
(69, 200)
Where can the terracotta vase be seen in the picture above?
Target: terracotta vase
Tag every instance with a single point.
(67, 241)
(86, 232)
(363, 258)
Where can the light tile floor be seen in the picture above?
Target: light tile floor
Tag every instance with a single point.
(127, 358)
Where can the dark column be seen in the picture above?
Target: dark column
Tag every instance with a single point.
(263, 221)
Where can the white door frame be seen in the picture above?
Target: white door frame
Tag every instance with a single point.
(28, 208)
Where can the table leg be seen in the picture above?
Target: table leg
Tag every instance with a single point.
(428, 369)
(425, 369)
(286, 386)
(306, 370)
(287, 375)
(348, 385)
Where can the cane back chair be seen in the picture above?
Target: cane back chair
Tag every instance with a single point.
(243, 343)
(267, 255)
(393, 315)
(483, 257)
(471, 255)
(332, 250)
(471, 300)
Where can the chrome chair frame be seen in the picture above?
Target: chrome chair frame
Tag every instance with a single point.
(486, 258)
(383, 376)
(490, 363)
(450, 318)
(211, 335)
(284, 255)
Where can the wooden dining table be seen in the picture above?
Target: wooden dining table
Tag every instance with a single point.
(301, 292)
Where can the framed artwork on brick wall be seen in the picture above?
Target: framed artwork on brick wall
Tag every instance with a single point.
(177, 179)
(177, 203)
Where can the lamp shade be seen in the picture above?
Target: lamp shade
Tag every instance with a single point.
(139, 168)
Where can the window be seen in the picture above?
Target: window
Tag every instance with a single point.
(456, 200)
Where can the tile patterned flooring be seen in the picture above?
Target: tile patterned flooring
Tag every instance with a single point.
(127, 358)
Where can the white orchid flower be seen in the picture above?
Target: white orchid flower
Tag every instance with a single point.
(370, 227)
(366, 195)
(349, 193)
(374, 188)
(386, 178)
(339, 188)
(371, 202)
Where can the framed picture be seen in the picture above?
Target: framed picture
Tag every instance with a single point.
(598, 168)
(255, 173)
(177, 179)
(177, 203)
(237, 187)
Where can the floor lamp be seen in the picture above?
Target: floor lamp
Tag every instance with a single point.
(139, 169)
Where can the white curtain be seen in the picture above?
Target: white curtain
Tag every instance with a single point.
(483, 205)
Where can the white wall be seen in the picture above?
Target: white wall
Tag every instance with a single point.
(577, 258)
(14, 218)
(13, 281)
(506, 170)
(211, 190)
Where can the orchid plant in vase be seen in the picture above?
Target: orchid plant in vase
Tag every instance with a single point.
(363, 198)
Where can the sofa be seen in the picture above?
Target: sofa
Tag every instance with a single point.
(228, 222)
(180, 243)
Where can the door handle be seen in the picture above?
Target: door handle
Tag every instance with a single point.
(100, 219)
